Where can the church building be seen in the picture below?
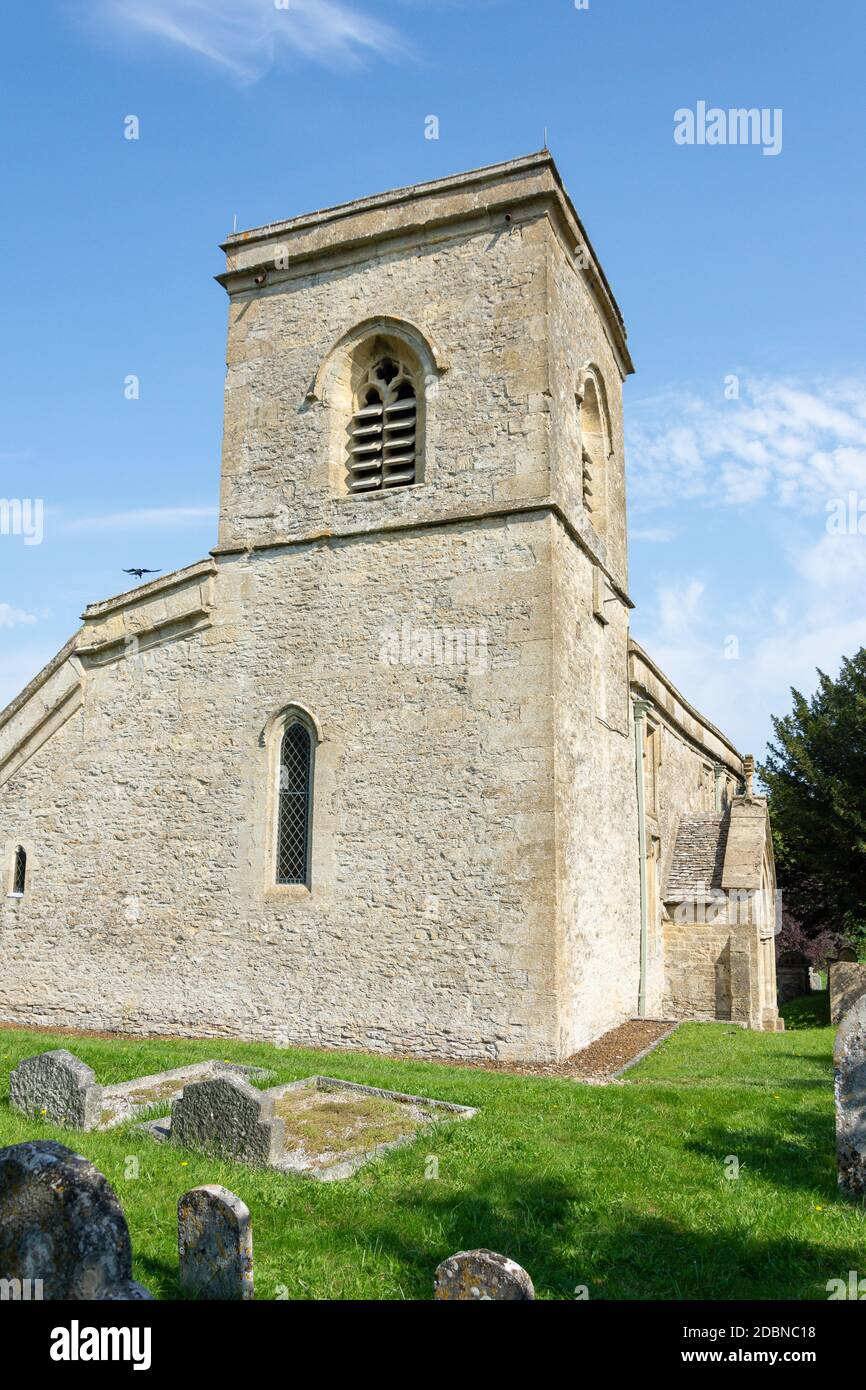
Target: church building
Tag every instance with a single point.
(385, 770)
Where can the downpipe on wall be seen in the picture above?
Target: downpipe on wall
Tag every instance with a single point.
(640, 713)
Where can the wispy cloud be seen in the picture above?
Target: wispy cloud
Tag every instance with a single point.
(15, 617)
(246, 38)
(805, 611)
(145, 518)
(792, 597)
(794, 444)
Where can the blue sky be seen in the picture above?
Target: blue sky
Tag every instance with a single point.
(725, 261)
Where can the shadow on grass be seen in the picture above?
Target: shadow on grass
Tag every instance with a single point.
(805, 1162)
(809, 1011)
(160, 1277)
(623, 1254)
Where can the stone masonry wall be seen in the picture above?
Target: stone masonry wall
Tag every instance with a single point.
(598, 904)
(483, 296)
(577, 338)
(475, 867)
(430, 922)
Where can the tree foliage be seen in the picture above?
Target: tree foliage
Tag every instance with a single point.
(815, 773)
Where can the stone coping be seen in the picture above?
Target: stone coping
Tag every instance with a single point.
(264, 1131)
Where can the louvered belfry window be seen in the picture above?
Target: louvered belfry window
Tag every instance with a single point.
(19, 873)
(383, 446)
(295, 806)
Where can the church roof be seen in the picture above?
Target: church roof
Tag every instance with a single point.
(699, 856)
(725, 851)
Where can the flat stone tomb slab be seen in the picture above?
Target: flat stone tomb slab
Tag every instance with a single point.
(130, 1098)
(333, 1127)
(327, 1129)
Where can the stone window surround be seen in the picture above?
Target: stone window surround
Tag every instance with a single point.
(10, 855)
(339, 375)
(590, 375)
(272, 738)
(652, 765)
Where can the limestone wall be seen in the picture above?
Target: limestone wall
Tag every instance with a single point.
(430, 925)
(598, 904)
(698, 975)
(578, 338)
(475, 886)
(715, 972)
(481, 293)
(682, 749)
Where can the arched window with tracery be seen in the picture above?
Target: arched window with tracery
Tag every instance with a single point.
(384, 435)
(295, 804)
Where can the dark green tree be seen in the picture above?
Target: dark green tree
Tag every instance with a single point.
(815, 773)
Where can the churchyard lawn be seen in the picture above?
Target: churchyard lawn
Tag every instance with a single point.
(708, 1173)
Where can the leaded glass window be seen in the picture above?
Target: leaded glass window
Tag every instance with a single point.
(19, 873)
(295, 805)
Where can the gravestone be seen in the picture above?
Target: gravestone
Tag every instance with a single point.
(792, 976)
(849, 1061)
(59, 1087)
(61, 1223)
(215, 1244)
(227, 1116)
(847, 980)
(482, 1275)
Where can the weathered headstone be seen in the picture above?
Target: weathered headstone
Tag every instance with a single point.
(482, 1274)
(61, 1222)
(847, 982)
(849, 1061)
(215, 1244)
(226, 1115)
(58, 1086)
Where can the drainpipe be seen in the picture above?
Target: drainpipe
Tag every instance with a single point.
(640, 713)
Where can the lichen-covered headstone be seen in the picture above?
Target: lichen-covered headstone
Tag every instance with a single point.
(849, 1061)
(226, 1115)
(215, 1244)
(482, 1274)
(61, 1222)
(847, 984)
(58, 1086)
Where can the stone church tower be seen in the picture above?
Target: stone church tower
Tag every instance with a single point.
(365, 776)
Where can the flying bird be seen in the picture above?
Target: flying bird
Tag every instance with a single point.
(140, 573)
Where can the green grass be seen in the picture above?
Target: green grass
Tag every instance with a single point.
(621, 1188)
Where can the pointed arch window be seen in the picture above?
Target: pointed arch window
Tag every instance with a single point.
(384, 436)
(595, 446)
(19, 872)
(295, 804)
